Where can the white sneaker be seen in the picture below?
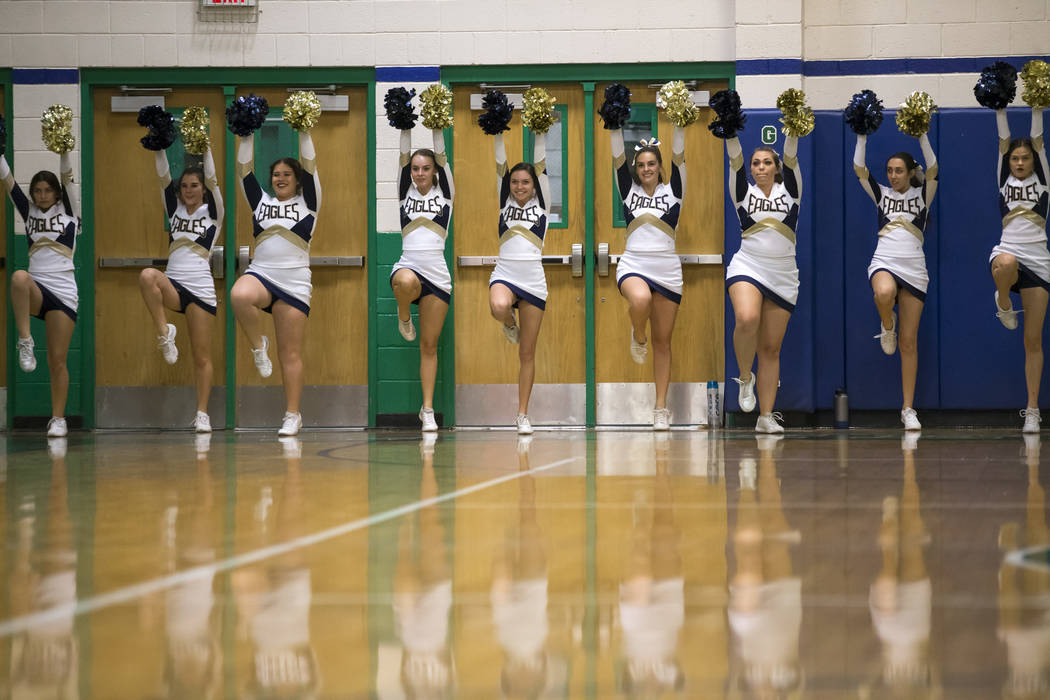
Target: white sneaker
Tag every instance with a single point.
(1032, 419)
(201, 422)
(638, 350)
(1007, 317)
(426, 415)
(662, 419)
(56, 427)
(511, 333)
(26, 358)
(407, 329)
(166, 343)
(888, 337)
(746, 397)
(910, 420)
(56, 447)
(768, 423)
(524, 424)
(262, 359)
(291, 424)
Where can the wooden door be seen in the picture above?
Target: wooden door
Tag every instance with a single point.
(486, 364)
(135, 388)
(336, 349)
(625, 390)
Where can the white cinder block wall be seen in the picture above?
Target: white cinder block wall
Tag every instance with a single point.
(776, 43)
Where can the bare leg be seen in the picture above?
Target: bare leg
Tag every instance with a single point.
(159, 294)
(639, 305)
(501, 304)
(1033, 300)
(432, 312)
(248, 297)
(1004, 273)
(200, 324)
(885, 289)
(26, 300)
(664, 312)
(907, 342)
(770, 336)
(290, 328)
(530, 318)
(59, 332)
(747, 308)
(406, 289)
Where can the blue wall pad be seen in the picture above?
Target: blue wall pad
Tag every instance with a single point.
(45, 76)
(408, 74)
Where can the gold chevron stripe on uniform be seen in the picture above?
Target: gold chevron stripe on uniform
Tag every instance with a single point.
(618, 161)
(901, 223)
(861, 171)
(540, 166)
(423, 222)
(651, 220)
(1004, 146)
(244, 168)
(770, 225)
(404, 159)
(309, 165)
(931, 172)
(791, 162)
(54, 245)
(501, 169)
(283, 233)
(736, 162)
(193, 245)
(1024, 213)
(524, 233)
(678, 158)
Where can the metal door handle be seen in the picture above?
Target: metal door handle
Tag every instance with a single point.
(602, 258)
(575, 260)
(216, 262)
(244, 259)
(690, 259)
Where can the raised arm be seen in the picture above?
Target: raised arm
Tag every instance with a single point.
(499, 150)
(539, 163)
(1038, 144)
(867, 182)
(404, 162)
(792, 172)
(13, 190)
(929, 186)
(168, 195)
(448, 188)
(737, 177)
(678, 162)
(211, 181)
(621, 168)
(246, 171)
(70, 191)
(1003, 126)
(308, 159)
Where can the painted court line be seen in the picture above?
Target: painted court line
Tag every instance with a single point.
(129, 593)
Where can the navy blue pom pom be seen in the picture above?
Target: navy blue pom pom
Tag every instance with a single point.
(731, 117)
(3, 136)
(864, 112)
(247, 114)
(398, 104)
(616, 109)
(161, 127)
(497, 113)
(997, 85)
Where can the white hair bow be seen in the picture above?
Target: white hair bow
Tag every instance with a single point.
(646, 143)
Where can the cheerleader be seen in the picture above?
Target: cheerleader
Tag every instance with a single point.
(518, 282)
(898, 269)
(762, 277)
(278, 279)
(48, 289)
(1021, 262)
(421, 276)
(194, 207)
(649, 273)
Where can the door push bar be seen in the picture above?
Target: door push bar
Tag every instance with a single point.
(575, 260)
(244, 258)
(604, 259)
(217, 262)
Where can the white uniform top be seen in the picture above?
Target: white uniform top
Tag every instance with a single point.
(191, 236)
(425, 217)
(767, 224)
(651, 220)
(282, 229)
(522, 228)
(1023, 203)
(902, 215)
(51, 234)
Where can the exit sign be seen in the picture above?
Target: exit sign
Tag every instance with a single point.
(227, 3)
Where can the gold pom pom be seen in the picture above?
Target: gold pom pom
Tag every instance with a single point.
(194, 130)
(538, 110)
(436, 107)
(1036, 77)
(56, 127)
(677, 102)
(302, 110)
(913, 116)
(798, 119)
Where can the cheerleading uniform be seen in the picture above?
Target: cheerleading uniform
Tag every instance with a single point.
(1023, 204)
(424, 222)
(282, 229)
(902, 219)
(651, 221)
(191, 237)
(522, 230)
(51, 236)
(766, 258)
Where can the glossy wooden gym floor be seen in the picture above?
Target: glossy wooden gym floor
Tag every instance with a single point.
(573, 565)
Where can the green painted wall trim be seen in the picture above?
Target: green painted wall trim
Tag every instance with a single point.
(588, 247)
(447, 346)
(9, 236)
(229, 242)
(562, 72)
(86, 246)
(166, 77)
(372, 253)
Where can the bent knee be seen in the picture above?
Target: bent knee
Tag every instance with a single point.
(21, 279)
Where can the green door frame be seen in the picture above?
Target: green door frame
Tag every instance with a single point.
(9, 236)
(229, 79)
(588, 75)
